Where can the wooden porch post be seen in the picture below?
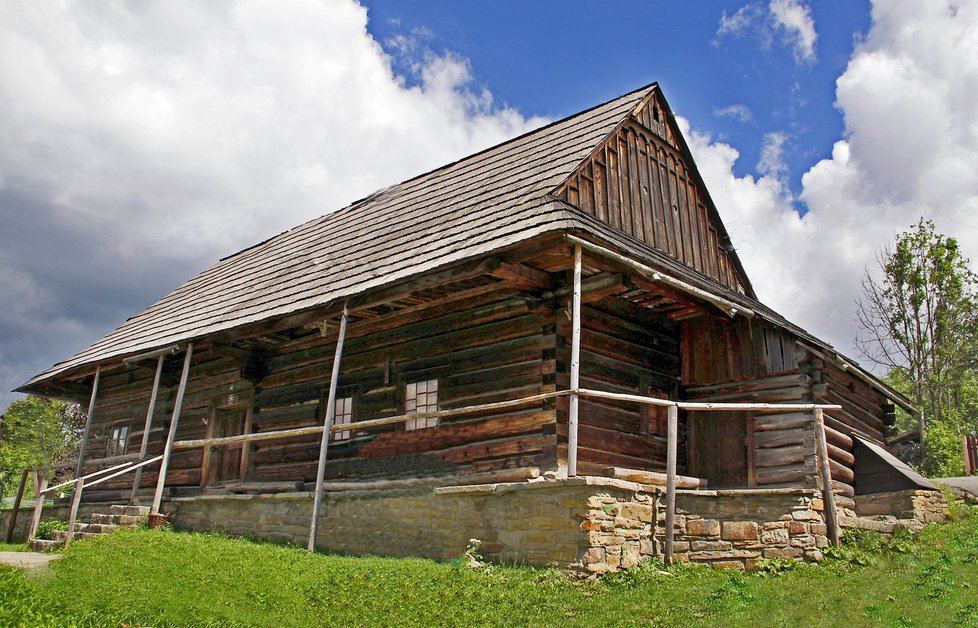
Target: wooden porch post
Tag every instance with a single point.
(831, 516)
(575, 367)
(73, 511)
(149, 422)
(317, 498)
(40, 484)
(158, 496)
(88, 423)
(20, 496)
(672, 436)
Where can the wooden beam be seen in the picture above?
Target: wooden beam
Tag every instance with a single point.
(652, 478)
(144, 445)
(327, 433)
(88, 423)
(523, 277)
(824, 467)
(575, 367)
(40, 485)
(76, 495)
(174, 421)
(672, 436)
(13, 514)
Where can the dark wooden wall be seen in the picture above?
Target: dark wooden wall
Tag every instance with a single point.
(498, 346)
(640, 183)
(623, 349)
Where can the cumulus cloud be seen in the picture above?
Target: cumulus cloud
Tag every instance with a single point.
(771, 163)
(909, 150)
(141, 141)
(740, 113)
(794, 20)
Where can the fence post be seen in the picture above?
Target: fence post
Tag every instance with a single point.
(73, 511)
(40, 483)
(828, 494)
(168, 447)
(88, 423)
(575, 367)
(317, 498)
(672, 436)
(17, 500)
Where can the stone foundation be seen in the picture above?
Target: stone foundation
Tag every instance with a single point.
(737, 528)
(593, 525)
(57, 511)
(910, 508)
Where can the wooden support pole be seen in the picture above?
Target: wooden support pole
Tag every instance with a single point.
(88, 423)
(144, 446)
(73, 511)
(158, 496)
(672, 437)
(20, 496)
(575, 367)
(317, 498)
(831, 515)
(40, 484)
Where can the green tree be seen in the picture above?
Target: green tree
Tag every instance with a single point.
(37, 431)
(919, 316)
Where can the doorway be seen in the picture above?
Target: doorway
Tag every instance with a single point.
(228, 463)
(718, 448)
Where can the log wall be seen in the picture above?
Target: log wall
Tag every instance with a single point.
(488, 349)
(623, 349)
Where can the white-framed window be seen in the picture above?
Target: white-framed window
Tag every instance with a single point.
(420, 397)
(118, 439)
(343, 415)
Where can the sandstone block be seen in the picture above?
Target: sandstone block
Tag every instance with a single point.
(818, 504)
(775, 537)
(803, 541)
(818, 528)
(804, 515)
(703, 527)
(797, 527)
(700, 546)
(787, 552)
(739, 530)
(727, 564)
(591, 525)
(640, 512)
(725, 555)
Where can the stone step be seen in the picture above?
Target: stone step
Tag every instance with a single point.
(59, 535)
(123, 521)
(96, 528)
(132, 511)
(45, 545)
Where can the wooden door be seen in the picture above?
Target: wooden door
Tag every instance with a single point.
(718, 448)
(225, 462)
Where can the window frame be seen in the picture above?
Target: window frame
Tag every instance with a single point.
(344, 410)
(411, 405)
(112, 442)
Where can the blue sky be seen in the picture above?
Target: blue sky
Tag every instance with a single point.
(554, 59)
(141, 142)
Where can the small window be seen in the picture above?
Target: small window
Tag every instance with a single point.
(118, 439)
(343, 415)
(421, 397)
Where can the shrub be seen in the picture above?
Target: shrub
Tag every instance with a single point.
(46, 529)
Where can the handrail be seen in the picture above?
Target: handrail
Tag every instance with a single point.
(80, 485)
(85, 477)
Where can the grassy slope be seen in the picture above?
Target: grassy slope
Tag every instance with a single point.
(168, 578)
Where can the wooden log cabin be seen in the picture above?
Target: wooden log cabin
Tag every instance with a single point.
(454, 290)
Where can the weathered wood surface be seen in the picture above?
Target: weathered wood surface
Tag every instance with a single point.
(652, 478)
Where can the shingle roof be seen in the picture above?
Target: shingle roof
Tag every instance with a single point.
(486, 201)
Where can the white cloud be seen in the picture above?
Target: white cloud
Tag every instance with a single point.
(740, 21)
(164, 134)
(771, 162)
(795, 20)
(740, 113)
(908, 97)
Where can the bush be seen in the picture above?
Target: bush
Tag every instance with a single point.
(46, 529)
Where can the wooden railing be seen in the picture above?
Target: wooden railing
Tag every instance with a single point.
(970, 454)
(78, 485)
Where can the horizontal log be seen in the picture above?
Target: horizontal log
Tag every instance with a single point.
(784, 438)
(782, 456)
(784, 475)
(772, 422)
(840, 472)
(837, 438)
(842, 488)
(487, 477)
(651, 477)
(840, 455)
(750, 385)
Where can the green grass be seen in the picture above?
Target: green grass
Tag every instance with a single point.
(145, 577)
(13, 547)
